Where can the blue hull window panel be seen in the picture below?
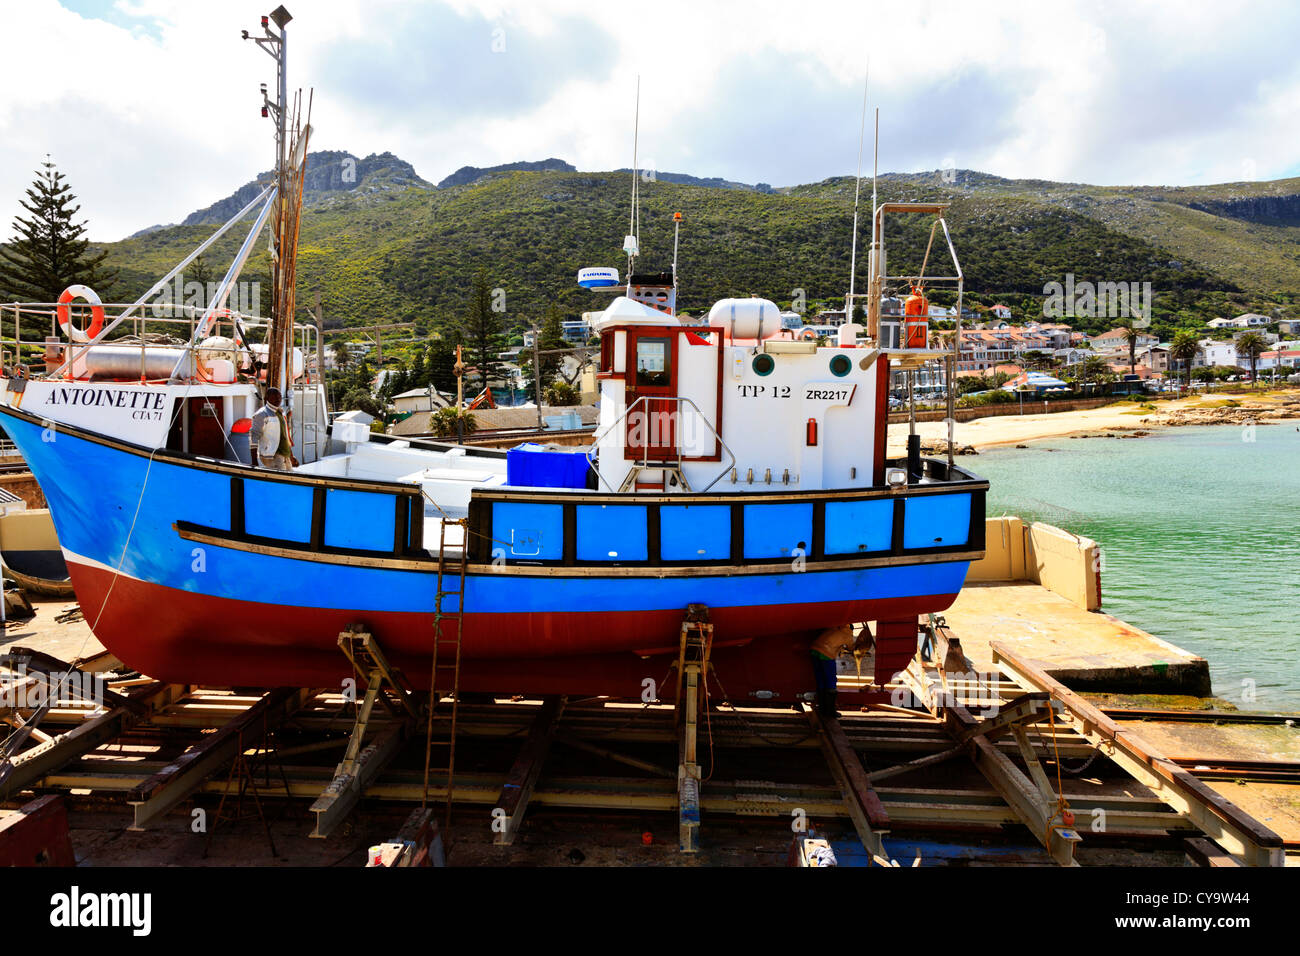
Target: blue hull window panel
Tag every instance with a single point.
(857, 527)
(279, 510)
(358, 520)
(536, 466)
(612, 533)
(528, 531)
(936, 521)
(775, 531)
(695, 532)
(205, 502)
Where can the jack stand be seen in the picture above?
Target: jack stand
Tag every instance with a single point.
(245, 768)
(692, 674)
(359, 766)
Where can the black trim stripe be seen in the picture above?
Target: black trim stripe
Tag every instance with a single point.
(236, 505)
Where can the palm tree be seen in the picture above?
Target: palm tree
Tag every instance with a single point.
(1252, 344)
(1131, 334)
(1184, 348)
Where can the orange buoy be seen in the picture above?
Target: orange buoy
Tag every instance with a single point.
(73, 333)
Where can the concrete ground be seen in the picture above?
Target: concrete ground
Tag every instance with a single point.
(1084, 649)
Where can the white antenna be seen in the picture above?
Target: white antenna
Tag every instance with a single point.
(631, 245)
(857, 188)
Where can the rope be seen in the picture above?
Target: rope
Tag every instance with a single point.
(1062, 805)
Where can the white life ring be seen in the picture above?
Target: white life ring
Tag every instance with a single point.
(73, 333)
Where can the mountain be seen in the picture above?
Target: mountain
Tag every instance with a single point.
(390, 247)
(713, 182)
(329, 173)
(472, 174)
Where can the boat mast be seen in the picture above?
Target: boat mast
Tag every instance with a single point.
(857, 189)
(875, 266)
(632, 245)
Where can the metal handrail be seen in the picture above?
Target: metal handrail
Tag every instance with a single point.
(645, 460)
(179, 316)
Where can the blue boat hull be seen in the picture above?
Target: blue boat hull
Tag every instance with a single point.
(199, 571)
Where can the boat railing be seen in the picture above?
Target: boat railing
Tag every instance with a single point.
(646, 462)
(155, 325)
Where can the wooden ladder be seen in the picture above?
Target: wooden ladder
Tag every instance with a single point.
(444, 673)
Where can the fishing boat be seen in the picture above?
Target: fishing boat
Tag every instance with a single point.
(738, 471)
(30, 552)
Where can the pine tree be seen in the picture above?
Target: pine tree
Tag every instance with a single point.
(49, 251)
(549, 337)
(441, 368)
(419, 376)
(483, 332)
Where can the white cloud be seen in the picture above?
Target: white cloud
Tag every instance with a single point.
(151, 106)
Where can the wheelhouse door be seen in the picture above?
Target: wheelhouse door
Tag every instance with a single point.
(651, 396)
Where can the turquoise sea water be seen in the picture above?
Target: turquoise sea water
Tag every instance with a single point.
(1200, 536)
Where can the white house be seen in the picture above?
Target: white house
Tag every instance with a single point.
(1069, 357)
(1154, 357)
(1243, 321)
(1114, 341)
(1216, 353)
(419, 400)
(1001, 311)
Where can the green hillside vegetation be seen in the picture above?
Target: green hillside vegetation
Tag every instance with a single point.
(411, 255)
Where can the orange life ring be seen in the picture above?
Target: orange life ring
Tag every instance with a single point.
(73, 333)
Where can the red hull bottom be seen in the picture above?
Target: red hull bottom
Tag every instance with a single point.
(182, 637)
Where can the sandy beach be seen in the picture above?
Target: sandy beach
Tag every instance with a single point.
(1017, 429)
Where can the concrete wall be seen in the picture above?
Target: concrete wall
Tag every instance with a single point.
(1032, 407)
(1058, 560)
(25, 487)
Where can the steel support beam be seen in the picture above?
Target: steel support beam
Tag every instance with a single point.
(1219, 818)
(154, 797)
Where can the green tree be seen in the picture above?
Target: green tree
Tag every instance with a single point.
(561, 393)
(1038, 361)
(419, 376)
(1131, 333)
(360, 399)
(49, 251)
(1252, 345)
(483, 333)
(443, 423)
(1092, 370)
(440, 372)
(549, 338)
(1183, 349)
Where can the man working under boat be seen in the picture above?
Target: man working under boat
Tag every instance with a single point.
(268, 437)
(825, 649)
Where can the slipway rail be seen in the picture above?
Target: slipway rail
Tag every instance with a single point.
(1220, 819)
(974, 769)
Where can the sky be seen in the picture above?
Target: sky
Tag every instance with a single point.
(151, 107)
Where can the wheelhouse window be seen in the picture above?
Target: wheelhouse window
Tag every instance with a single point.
(607, 352)
(653, 361)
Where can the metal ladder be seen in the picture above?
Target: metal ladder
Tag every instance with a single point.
(444, 673)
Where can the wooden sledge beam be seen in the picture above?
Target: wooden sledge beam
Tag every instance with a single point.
(526, 770)
(868, 814)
